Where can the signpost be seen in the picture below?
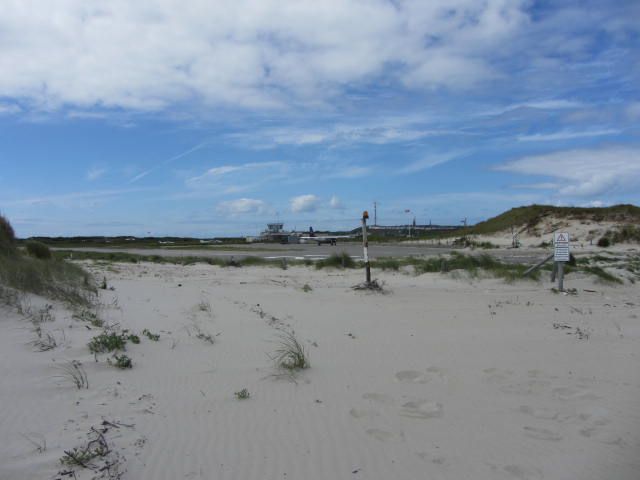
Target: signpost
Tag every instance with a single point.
(560, 256)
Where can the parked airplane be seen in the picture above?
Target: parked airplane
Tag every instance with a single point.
(320, 239)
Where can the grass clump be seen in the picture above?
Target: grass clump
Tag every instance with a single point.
(74, 372)
(473, 264)
(151, 336)
(386, 264)
(38, 250)
(87, 315)
(602, 274)
(604, 242)
(242, 394)
(121, 361)
(7, 237)
(341, 260)
(290, 354)
(108, 342)
(307, 288)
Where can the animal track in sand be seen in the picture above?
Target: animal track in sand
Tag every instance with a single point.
(363, 413)
(523, 473)
(379, 398)
(411, 376)
(378, 434)
(422, 409)
(415, 376)
(573, 393)
(542, 434)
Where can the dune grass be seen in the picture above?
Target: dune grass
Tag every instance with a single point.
(337, 260)
(290, 354)
(473, 264)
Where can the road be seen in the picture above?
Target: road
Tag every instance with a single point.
(313, 251)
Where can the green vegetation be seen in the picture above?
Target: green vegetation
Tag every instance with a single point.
(624, 234)
(151, 336)
(7, 237)
(121, 361)
(290, 354)
(90, 316)
(602, 274)
(242, 394)
(530, 216)
(108, 342)
(472, 264)
(342, 260)
(306, 288)
(38, 250)
(56, 279)
(386, 263)
(74, 372)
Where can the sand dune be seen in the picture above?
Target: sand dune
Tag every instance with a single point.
(443, 378)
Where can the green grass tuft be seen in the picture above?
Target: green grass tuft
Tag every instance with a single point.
(290, 354)
(342, 260)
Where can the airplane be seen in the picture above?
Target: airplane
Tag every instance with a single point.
(320, 239)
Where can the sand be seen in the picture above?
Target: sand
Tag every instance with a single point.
(443, 377)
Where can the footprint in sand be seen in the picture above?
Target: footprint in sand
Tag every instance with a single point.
(523, 473)
(542, 434)
(411, 376)
(363, 413)
(422, 409)
(378, 398)
(573, 393)
(378, 434)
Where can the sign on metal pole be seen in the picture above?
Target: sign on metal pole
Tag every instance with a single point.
(560, 255)
(561, 247)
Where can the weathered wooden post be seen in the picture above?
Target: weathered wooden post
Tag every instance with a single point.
(365, 246)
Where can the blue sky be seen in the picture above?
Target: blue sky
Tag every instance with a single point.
(212, 118)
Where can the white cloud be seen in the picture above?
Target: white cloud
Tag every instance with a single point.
(215, 175)
(584, 173)
(566, 135)
(242, 206)
(304, 203)
(244, 53)
(9, 108)
(336, 203)
(95, 173)
(430, 161)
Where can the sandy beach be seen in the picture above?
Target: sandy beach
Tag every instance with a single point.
(442, 377)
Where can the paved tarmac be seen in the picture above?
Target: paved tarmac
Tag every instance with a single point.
(314, 251)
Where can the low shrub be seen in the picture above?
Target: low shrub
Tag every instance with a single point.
(38, 250)
(604, 242)
(7, 237)
(108, 342)
(121, 361)
(342, 260)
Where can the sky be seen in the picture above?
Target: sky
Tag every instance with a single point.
(212, 118)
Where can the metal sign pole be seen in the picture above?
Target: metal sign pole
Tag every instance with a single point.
(365, 247)
(561, 255)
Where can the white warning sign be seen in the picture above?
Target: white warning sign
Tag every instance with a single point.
(561, 247)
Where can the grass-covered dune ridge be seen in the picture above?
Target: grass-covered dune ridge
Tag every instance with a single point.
(40, 274)
(529, 217)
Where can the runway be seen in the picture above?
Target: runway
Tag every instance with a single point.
(314, 252)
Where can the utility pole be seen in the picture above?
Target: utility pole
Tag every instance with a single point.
(365, 247)
(375, 213)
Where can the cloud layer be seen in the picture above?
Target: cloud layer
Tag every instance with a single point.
(269, 53)
(584, 173)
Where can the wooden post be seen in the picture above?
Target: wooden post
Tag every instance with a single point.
(553, 272)
(365, 247)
